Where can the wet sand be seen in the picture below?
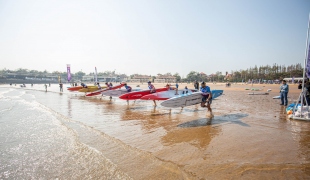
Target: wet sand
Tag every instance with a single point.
(249, 137)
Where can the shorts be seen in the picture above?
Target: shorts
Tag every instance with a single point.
(204, 99)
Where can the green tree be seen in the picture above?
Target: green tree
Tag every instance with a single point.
(193, 76)
(177, 76)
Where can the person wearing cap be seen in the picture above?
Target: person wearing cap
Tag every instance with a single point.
(206, 97)
(152, 89)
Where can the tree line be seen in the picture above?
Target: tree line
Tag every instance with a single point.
(267, 72)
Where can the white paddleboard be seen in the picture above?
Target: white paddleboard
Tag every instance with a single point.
(183, 100)
(117, 92)
(258, 93)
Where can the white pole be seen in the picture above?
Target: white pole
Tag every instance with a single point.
(96, 79)
(305, 66)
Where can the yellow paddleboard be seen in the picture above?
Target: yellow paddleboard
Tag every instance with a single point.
(90, 89)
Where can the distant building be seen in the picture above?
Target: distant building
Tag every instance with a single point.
(141, 78)
(89, 78)
(165, 79)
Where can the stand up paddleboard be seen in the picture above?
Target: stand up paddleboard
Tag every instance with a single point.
(188, 99)
(117, 92)
(258, 93)
(105, 89)
(76, 88)
(90, 89)
(277, 97)
(165, 95)
(139, 94)
(172, 93)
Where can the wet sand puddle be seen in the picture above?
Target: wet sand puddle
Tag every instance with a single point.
(248, 138)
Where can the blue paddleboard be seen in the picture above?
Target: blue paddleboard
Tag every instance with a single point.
(216, 93)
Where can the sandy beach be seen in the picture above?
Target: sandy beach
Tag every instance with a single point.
(249, 137)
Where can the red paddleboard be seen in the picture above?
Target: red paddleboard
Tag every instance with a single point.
(139, 94)
(76, 88)
(105, 89)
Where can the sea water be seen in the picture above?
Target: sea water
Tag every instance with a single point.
(69, 136)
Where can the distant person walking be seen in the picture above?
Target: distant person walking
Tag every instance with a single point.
(284, 88)
(60, 87)
(177, 89)
(196, 85)
(45, 85)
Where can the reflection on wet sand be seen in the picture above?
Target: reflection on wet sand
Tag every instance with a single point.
(230, 118)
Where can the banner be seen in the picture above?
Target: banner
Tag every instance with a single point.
(68, 72)
(308, 63)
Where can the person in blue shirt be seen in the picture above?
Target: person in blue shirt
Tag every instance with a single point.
(151, 87)
(206, 97)
(128, 88)
(177, 89)
(283, 93)
(83, 85)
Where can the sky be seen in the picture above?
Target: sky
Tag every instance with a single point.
(151, 36)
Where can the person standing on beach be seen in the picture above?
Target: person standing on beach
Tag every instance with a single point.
(283, 93)
(45, 87)
(206, 97)
(152, 90)
(177, 89)
(60, 87)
